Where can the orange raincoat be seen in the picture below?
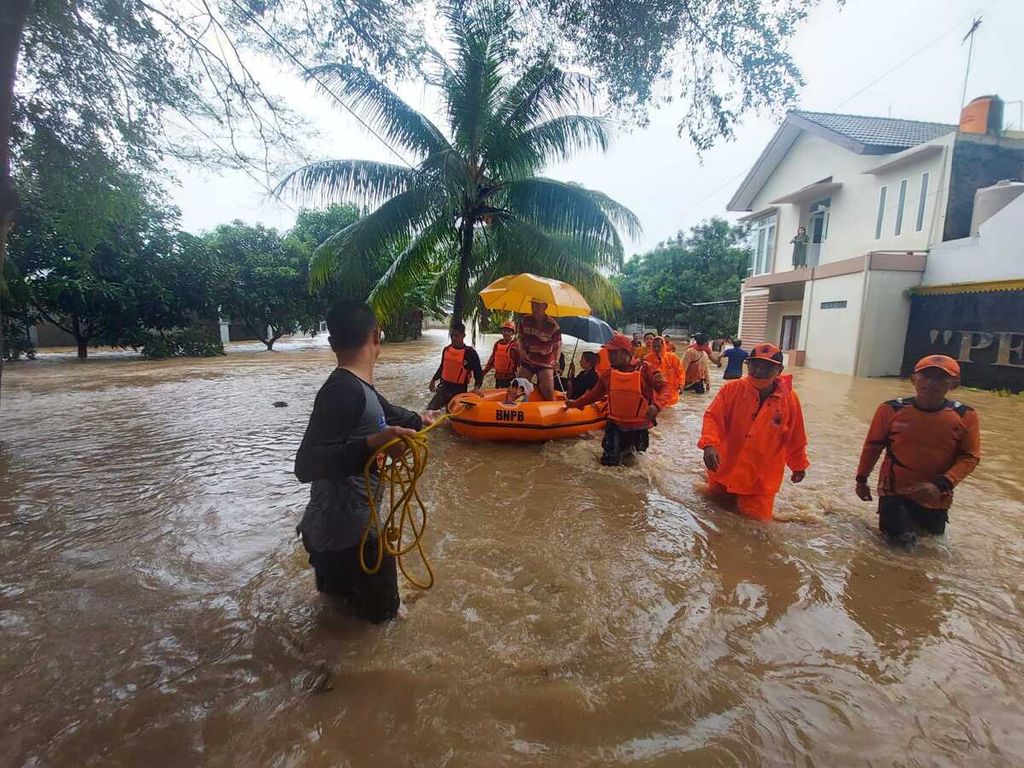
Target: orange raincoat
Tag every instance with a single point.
(756, 441)
(672, 370)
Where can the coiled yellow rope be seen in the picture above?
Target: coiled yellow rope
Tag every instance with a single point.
(406, 509)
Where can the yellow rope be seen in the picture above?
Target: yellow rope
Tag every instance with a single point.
(400, 477)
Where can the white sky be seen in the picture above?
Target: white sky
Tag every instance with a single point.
(901, 58)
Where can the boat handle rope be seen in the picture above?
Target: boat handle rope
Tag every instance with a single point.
(405, 507)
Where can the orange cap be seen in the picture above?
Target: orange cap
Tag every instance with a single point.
(620, 341)
(768, 352)
(508, 325)
(943, 363)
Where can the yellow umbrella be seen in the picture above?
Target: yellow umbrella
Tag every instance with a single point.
(513, 293)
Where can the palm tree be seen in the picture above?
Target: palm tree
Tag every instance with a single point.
(470, 208)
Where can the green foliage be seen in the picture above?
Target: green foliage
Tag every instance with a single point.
(265, 282)
(717, 59)
(659, 287)
(183, 342)
(472, 208)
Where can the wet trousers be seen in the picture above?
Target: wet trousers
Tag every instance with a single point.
(897, 515)
(445, 392)
(618, 443)
(756, 506)
(372, 597)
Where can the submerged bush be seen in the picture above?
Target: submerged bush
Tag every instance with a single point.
(186, 342)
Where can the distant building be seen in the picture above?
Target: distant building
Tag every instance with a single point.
(875, 196)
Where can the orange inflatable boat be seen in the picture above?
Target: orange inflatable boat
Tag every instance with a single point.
(483, 416)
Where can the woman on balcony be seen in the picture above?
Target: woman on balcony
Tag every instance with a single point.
(800, 247)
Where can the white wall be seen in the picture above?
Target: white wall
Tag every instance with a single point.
(886, 315)
(832, 333)
(855, 205)
(997, 253)
(776, 311)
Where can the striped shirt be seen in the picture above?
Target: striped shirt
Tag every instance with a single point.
(539, 342)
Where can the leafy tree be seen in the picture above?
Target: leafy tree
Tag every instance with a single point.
(718, 59)
(662, 286)
(266, 281)
(92, 252)
(472, 207)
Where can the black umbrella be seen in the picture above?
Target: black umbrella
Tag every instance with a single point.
(591, 329)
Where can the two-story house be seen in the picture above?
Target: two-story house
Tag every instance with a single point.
(872, 196)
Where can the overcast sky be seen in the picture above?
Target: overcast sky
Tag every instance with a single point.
(899, 58)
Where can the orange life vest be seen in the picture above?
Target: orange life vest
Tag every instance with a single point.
(453, 369)
(627, 405)
(503, 365)
(603, 363)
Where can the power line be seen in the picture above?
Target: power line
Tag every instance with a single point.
(310, 74)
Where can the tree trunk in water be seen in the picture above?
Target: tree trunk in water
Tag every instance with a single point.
(13, 14)
(83, 341)
(83, 349)
(462, 280)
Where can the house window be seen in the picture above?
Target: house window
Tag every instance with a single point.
(833, 304)
(881, 212)
(762, 244)
(921, 202)
(900, 203)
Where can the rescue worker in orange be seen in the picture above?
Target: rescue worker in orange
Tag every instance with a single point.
(668, 343)
(636, 394)
(457, 362)
(670, 367)
(697, 368)
(753, 429)
(930, 443)
(504, 357)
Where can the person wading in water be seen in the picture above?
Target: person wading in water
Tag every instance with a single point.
(636, 394)
(931, 444)
(350, 421)
(457, 362)
(753, 429)
(540, 344)
(504, 357)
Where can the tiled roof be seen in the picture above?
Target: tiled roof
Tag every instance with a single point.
(879, 132)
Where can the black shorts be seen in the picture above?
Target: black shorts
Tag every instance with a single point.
(502, 382)
(445, 392)
(897, 515)
(372, 597)
(697, 387)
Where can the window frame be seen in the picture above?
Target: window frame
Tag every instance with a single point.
(762, 235)
(883, 193)
(922, 201)
(901, 204)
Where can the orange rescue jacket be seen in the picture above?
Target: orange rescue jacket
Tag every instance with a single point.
(940, 447)
(453, 368)
(672, 369)
(503, 357)
(756, 441)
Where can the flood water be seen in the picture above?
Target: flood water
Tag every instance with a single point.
(156, 608)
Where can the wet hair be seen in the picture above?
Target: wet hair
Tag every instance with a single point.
(591, 356)
(701, 339)
(737, 343)
(648, 334)
(350, 323)
(457, 328)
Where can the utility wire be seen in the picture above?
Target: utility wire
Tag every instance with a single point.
(312, 75)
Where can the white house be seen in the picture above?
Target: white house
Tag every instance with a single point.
(874, 194)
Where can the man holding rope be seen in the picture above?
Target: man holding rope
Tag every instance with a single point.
(349, 423)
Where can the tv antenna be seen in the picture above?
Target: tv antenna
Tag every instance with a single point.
(970, 53)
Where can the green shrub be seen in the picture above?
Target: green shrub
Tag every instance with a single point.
(185, 342)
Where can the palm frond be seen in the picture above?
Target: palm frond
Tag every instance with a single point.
(361, 182)
(589, 217)
(559, 138)
(376, 233)
(543, 92)
(422, 258)
(381, 107)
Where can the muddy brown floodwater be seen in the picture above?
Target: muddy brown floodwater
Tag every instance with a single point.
(156, 608)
